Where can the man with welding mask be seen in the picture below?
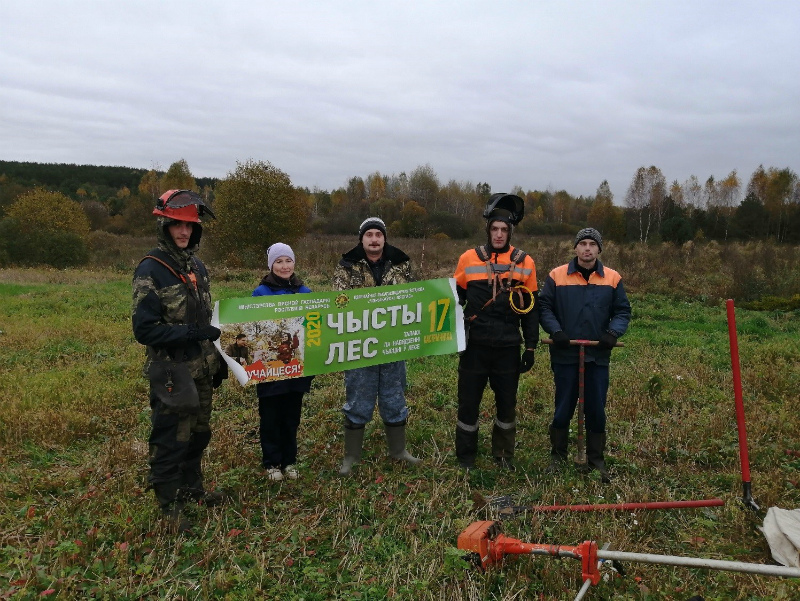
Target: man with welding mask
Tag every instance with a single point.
(496, 284)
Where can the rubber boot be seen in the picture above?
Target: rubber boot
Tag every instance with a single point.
(396, 440)
(353, 443)
(559, 439)
(192, 489)
(171, 507)
(466, 447)
(503, 446)
(595, 447)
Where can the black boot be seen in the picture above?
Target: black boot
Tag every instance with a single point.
(559, 439)
(171, 507)
(466, 446)
(595, 447)
(503, 439)
(192, 488)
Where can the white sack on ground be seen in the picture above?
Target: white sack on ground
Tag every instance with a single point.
(782, 531)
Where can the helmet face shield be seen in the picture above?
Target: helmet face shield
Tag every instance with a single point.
(509, 208)
(183, 205)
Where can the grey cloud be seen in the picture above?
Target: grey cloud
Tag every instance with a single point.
(540, 95)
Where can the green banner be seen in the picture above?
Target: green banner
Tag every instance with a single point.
(295, 335)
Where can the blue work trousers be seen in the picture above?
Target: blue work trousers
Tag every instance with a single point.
(595, 385)
(385, 384)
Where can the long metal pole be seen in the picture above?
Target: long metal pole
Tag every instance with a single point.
(747, 495)
(698, 562)
(672, 560)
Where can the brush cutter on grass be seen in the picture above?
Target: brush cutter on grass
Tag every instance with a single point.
(486, 545)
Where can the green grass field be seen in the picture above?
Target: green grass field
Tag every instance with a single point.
(77, 522)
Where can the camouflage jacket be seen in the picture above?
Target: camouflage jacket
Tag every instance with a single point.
(353, 270)
(166, 310)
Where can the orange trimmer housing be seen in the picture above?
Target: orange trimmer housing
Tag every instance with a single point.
(487, 545)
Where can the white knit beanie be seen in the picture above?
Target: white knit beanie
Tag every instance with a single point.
(277, 250)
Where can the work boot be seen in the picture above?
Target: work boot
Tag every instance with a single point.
(193, 490)
(503, 437)
(505, 463)
(353, 443)
(595, 447)
(466, 446)
(171, 508)
(396, 440)
(559, 439)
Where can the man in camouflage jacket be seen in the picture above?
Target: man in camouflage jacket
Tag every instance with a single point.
(373, 262)
(171, 316)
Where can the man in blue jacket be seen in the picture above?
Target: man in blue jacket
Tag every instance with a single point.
(582, 300)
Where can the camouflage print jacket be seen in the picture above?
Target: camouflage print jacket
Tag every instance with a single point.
(166, 310)
(353, 270)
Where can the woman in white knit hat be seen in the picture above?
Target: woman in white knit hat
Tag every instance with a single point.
(280, 402)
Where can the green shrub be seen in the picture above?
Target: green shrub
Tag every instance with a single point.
(47, 228)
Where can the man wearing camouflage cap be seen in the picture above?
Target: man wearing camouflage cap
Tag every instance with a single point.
(171, 316)
(374, 262)
(582, 300)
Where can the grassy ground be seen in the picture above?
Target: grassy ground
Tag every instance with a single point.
(76, 522)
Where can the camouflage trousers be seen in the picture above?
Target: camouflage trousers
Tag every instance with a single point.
(385, 384)
(177, 440)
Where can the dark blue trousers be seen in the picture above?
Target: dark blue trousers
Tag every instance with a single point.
(595, 383)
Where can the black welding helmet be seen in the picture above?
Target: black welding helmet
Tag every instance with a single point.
(508, 208)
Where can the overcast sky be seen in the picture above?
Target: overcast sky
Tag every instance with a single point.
(540, 94)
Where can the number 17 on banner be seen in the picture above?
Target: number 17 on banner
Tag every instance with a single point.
(439, 317)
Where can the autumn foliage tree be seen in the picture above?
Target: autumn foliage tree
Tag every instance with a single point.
(606, 217)
(256, 206)
(44, 227)
(178, 177)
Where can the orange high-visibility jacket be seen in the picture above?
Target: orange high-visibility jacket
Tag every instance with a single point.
(497, 324)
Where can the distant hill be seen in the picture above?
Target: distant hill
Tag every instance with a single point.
(67, 178)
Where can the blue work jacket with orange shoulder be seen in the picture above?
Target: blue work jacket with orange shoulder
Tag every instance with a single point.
(496, 323)
(583, 310)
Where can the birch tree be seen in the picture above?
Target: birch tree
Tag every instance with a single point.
(646, 197)
(729, 193)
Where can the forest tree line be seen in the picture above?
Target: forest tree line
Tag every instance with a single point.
(258, 204)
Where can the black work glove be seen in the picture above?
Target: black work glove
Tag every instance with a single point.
(222, 374)
(198, 333)
(527, 360)
(607, 341)
(560, 339)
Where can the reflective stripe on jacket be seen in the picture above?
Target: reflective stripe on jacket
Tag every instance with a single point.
(583, 310)
(496, 324)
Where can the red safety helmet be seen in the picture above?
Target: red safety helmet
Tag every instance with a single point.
(182, 205)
